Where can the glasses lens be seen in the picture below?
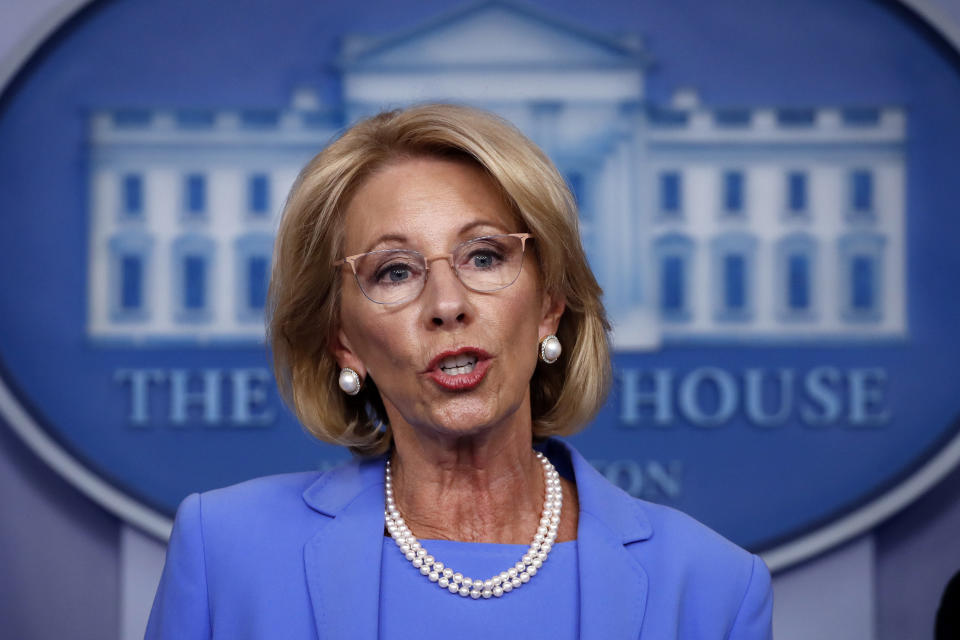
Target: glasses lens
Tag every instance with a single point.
(391, 276)
(489, 263)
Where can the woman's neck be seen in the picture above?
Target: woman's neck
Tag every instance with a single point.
(478, 488)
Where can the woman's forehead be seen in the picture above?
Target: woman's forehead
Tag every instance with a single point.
(425, 201)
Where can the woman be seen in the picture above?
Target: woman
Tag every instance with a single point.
(433, 311)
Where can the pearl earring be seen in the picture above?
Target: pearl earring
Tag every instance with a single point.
(349, 381)
(550, 349)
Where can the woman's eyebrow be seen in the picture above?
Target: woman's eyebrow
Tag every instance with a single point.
(385, 238)
(470, 226)
(404, 240)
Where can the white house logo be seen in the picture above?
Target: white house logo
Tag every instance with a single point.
(754, 258)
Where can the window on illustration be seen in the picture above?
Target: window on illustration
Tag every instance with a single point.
(671, 198)
(862, 191)
(132, 194)
(672, 285)
(196, 194)
(259, 194)
(131, 282)
(798, 282)
(862, 293)
(194, 282)
(733, 188)
(734, 279)
(797, 192)
(258, 277)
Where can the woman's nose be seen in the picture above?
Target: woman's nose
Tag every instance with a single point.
(446, 299)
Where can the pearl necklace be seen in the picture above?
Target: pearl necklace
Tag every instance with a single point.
(506, 581)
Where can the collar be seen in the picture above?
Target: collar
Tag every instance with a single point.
(351, 496)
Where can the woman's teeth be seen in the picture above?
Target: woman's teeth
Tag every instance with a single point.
(458, 365)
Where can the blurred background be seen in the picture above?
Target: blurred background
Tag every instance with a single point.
(766, 190)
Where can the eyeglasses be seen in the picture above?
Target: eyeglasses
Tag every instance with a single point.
(392, 276)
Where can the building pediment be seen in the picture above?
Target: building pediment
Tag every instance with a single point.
(491, 35)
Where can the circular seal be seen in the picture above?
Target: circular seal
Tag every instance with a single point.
(768, 224)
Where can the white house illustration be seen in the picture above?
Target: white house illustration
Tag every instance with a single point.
(702, 222)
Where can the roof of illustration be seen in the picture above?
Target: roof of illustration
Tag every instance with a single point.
(490, 34)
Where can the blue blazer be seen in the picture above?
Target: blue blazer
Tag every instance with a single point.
(298, 556)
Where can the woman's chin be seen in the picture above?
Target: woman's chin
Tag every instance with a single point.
(470, 413)
(464, 417)
(463, 423)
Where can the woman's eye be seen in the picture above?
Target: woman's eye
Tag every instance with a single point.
(394, 273)
(482, 260)
(485, 259)
(398, 273)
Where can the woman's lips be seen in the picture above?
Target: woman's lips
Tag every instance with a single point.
(459, 370)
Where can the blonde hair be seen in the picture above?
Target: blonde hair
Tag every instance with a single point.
(303, 310)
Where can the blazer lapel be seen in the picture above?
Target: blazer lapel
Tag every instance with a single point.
(613, 584)
(342, 560)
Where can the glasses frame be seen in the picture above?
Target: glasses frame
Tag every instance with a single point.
(352, 261)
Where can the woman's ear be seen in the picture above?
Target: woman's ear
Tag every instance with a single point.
(551, 310)
(344, 354)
